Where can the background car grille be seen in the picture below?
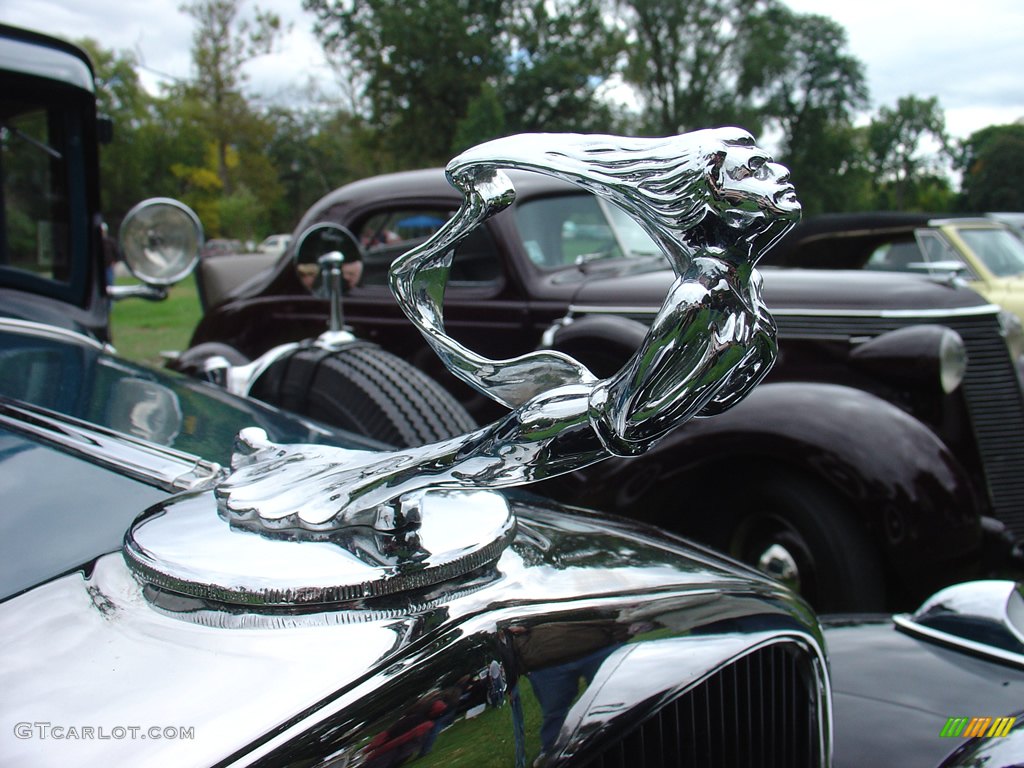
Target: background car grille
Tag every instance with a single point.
(762, 710)
(991, 389)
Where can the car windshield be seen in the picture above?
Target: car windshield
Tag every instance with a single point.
(575, 229)
(40, 152)
(999, 250)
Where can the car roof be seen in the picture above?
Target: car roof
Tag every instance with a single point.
(32, 53)
(424, 183)
(845, 237)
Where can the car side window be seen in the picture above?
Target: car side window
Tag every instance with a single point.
(35, 221)
(926, 253)
(940, 256)
(560, 231)
(895, 256)
(387, 235)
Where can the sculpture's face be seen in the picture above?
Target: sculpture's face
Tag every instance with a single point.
(750, 180)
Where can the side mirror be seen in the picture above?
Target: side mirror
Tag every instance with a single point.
(320, 255)
(104, 129)
(318, 241)
(160, 243)
(985, 618)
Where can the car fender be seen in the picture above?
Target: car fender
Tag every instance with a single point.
(601, 342)
(888, 469)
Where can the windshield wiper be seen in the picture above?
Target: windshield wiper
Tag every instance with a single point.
(43, 147)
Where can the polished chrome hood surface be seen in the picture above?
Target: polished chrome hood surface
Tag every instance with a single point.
(92, 652)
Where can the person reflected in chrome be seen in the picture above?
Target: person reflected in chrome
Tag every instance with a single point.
(711, 199)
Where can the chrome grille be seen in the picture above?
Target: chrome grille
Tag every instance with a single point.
(991, 389)
(761, 711)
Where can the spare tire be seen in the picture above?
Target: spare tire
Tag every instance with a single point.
(364, 389)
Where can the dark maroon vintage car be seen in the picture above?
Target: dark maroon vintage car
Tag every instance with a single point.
(883, 457)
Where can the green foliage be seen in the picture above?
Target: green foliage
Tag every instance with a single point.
(898, 152)
(559, 54)
(811, 89)
(423, 61)
(686, 60)
(222, 43)
(120, 96)
(241, 214)
(425, 79)
(992, 163)
(440, 74)
(484, 120)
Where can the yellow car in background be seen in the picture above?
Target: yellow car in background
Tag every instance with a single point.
(991, 253)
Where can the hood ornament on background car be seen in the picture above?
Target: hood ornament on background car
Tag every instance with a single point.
(711, 199)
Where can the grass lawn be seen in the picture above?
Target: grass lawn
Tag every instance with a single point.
(142, 329)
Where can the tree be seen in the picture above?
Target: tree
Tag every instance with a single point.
(906, 146)
(221, 44)
(423, 61)
(808, 85)
(685, 60)
(992, 163)
(314, 150)
(484, 120)
(560, 53)
(121, 97)
(440, 75)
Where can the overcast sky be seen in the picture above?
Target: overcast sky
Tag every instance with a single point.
(971, 56)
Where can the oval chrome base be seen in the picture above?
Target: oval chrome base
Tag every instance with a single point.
(185, 547)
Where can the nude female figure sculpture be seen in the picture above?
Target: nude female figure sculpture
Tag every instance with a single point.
(711, 199)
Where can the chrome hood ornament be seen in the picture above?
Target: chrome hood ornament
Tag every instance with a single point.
(711, 199)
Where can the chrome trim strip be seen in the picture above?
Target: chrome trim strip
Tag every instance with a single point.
(905, 622)
(984, 309)
(155, 465)
(30, 328)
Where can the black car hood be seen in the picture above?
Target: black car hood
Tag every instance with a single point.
(794, 289)
(882, 676)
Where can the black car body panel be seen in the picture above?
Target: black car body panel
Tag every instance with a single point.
(918, 686)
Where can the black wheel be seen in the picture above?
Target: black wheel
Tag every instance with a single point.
(364, 389)
(797, 531)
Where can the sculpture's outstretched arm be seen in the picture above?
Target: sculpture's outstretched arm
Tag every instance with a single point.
(652, 179)
(418, 280)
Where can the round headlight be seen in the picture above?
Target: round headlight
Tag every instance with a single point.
(160, 241)
(952, 361)
(920, 355)
(1013, 332)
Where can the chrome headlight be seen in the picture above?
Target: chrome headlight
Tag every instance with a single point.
(1013, 332)
(917, 354)
(952, 360)
(160, 241)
